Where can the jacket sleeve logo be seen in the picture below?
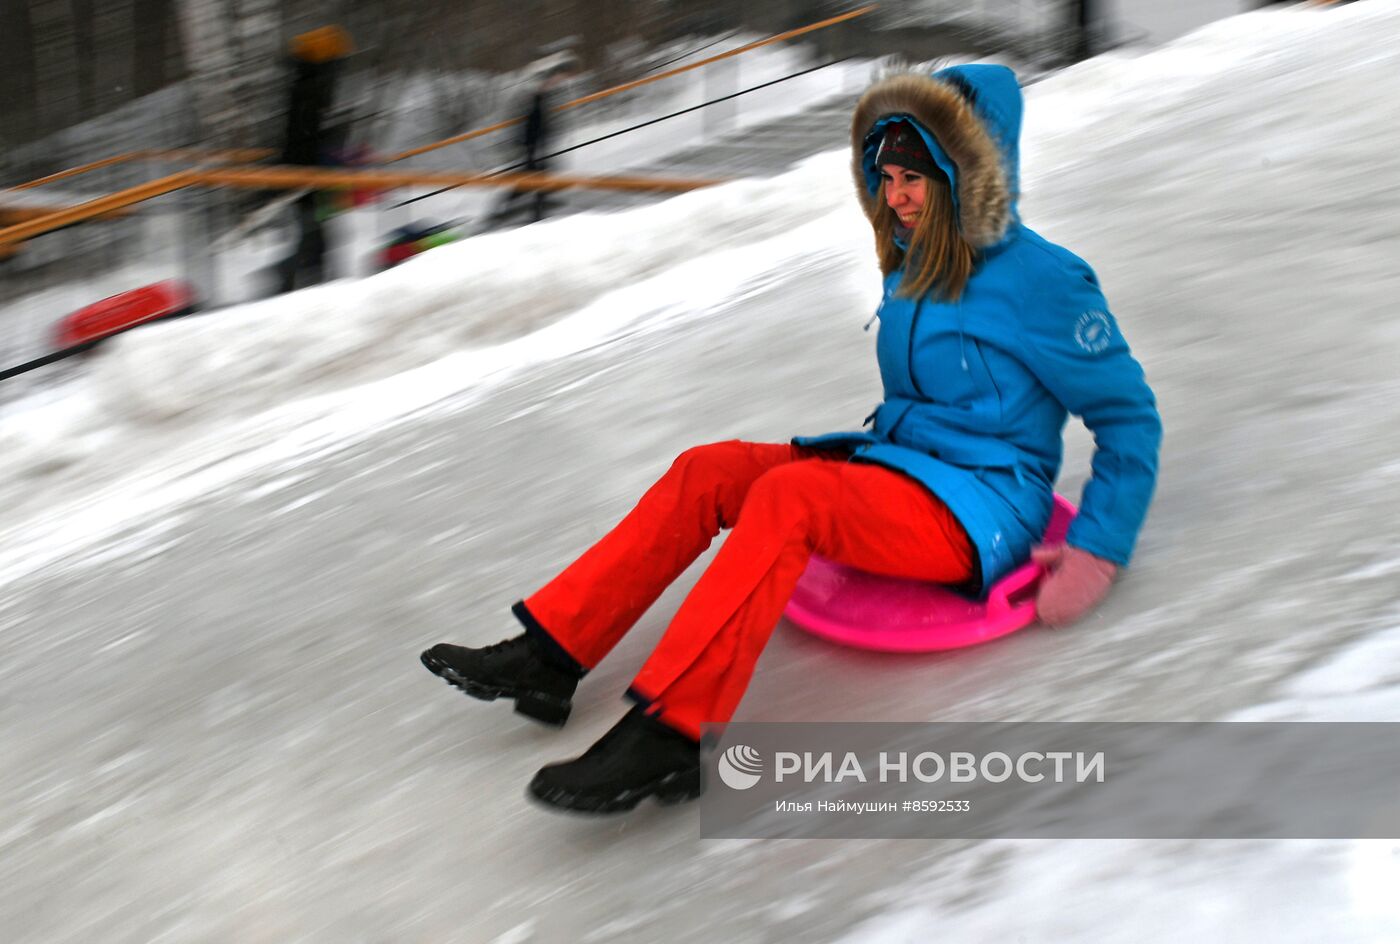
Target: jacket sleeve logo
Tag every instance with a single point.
(1093, 331)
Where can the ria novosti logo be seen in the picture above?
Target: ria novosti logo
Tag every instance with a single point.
(740, 767)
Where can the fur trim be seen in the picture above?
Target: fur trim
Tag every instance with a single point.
(984, 199)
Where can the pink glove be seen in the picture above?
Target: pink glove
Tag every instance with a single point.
(1074, 583)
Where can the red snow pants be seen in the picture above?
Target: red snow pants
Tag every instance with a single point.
(783, 503)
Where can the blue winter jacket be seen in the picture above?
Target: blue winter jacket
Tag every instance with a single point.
(977, 392)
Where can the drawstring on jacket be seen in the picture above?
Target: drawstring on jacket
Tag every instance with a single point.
(962, 338)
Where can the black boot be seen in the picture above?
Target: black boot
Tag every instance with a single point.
(516, 668)
(638, 758)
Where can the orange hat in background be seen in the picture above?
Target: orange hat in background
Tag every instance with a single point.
(322, 44)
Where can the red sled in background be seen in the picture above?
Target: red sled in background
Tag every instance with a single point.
(86, 326)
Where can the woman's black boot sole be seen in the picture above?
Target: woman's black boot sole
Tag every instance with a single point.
(544, 707)
(673, 788)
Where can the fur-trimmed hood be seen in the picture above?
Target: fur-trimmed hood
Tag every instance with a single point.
(970, 117)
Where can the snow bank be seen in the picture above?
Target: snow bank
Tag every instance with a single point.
(227, 365)
(179, 409)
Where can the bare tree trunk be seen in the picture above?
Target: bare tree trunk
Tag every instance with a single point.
(152, 28)
(85, 57)
(213, 68)
(234, 58)
(57, 96)
(18, 98)
(259, 89)
(1082, 23)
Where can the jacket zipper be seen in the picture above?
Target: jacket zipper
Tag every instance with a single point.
(909, 358)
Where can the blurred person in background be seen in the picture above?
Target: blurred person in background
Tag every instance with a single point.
(536, 131)
(1083, 28)
(317, 57)
(990, 336)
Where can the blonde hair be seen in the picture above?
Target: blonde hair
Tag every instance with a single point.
(940, 259)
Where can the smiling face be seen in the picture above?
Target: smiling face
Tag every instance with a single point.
(905, 192)
(918, 225)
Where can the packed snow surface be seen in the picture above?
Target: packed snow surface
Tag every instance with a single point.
(229, 536)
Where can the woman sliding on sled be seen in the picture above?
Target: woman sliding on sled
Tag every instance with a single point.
(989, 337)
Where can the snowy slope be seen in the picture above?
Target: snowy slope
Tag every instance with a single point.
(226, 544)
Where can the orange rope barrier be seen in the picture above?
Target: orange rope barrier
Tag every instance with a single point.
(75, 171)
(628, 86)
(790, 34)
(302, 177)
(236, 155)
(83, 211)
(10, 215)
(254, 154)
(256, 178)
(262, 178)
(455, 139)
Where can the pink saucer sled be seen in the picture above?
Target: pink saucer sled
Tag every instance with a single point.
(889, 614)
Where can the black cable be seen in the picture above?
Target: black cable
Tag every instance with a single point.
(50, 358)
(661, 65)
(644, 124)
(80, 347)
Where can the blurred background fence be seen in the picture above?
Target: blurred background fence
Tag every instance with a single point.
(217, 68)
(84, 81)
